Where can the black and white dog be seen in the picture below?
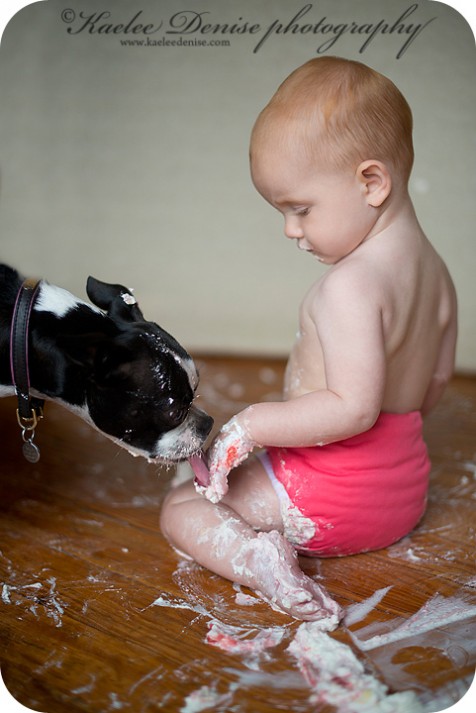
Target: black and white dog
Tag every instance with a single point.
(122, 374)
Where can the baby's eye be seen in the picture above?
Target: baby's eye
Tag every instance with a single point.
(302, 211)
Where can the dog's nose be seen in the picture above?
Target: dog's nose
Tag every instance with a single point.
(204, 422)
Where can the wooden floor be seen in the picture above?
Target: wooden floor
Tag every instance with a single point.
(99, 614)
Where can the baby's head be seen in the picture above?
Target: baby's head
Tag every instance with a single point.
(337, 113)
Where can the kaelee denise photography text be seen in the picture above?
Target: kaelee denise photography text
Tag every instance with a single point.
(192, 28)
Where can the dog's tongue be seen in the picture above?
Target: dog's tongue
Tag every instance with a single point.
(199, 466)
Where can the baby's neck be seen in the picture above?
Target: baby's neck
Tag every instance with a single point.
(396, 213)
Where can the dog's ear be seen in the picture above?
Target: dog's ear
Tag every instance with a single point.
(116, 300)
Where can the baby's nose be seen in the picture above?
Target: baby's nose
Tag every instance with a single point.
(292, 228)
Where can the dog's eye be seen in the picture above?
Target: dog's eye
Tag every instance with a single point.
(177, 415)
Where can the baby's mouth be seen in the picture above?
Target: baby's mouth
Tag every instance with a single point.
(302, 245)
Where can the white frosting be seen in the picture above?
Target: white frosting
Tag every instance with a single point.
(128, 298)
(357, 612)
(338, 678)
(436, 612)
(207, 698)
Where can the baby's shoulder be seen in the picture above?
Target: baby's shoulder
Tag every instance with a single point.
(344, 284)
(347, 278)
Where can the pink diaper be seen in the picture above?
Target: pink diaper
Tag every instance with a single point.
(359, 494)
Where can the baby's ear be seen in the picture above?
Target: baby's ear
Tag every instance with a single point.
(375, 180)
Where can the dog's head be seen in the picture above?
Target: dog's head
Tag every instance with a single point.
(141, 382)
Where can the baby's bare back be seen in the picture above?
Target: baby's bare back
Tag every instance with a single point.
(405, 280)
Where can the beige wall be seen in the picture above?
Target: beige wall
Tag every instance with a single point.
(130, 162)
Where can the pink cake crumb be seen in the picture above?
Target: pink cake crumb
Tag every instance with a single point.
(230, 638)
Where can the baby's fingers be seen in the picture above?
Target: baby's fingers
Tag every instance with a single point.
(217, 487)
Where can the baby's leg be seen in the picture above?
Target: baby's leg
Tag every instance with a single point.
(223, 538)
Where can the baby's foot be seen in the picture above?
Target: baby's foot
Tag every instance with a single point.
(275, 574)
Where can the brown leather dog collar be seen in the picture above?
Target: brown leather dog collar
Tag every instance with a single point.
(30, 410)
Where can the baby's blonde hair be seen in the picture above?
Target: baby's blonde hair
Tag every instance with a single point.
(340, 112)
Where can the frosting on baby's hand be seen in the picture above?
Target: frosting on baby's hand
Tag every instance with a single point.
(230, 448)
(215, 490)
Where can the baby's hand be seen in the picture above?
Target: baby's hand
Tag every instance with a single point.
(230, 448)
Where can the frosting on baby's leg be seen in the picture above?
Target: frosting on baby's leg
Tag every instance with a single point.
(271, 565)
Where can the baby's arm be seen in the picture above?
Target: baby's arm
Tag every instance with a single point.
(347, 318)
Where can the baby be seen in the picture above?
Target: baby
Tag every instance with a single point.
(345, 468)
